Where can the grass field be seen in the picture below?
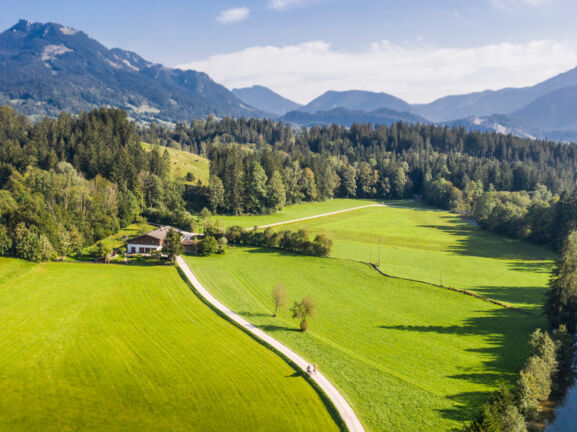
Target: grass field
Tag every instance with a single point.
(409, 356)
(435, 247)
(182, 162)
(296, 211)
(120, 348)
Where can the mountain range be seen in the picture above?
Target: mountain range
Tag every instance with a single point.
(46, 68)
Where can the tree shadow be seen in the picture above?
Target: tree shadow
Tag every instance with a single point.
(474, 241)
(274, 327)
(533, 296)
(296, 374)
(254, 314)
(505, 353)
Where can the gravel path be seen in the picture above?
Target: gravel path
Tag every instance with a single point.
(351, 420)
(316, 216)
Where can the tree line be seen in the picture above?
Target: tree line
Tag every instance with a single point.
(549, 371)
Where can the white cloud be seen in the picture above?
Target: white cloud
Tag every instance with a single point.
(417, 72)
(233, 15)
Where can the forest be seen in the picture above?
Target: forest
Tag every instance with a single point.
(517, 187)
(69, 181)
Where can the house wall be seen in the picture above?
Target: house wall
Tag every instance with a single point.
(139, 248)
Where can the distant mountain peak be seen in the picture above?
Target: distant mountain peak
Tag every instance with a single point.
(356, 100)
(265, 99)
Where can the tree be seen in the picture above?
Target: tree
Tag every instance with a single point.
(308, 185)
(276, 194)
(279, 298)
(172, 246)
(102, 249)
(561, 303)
(215, 193)
(208, 246)
(349, 181)
(256, 189)
(302, 311)
(27, 244)
(5, 240)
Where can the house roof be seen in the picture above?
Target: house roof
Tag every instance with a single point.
(159, 234)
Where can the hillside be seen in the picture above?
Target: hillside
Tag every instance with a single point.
(183, 162)
(47, 68)
(265, 99)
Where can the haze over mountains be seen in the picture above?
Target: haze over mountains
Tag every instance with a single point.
(47, 68)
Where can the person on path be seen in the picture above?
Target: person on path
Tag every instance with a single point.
(315, 368)
(309, 369)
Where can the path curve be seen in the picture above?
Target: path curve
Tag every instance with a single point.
(348, 415)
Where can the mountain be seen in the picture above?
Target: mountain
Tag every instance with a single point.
(356, 100)
(47, 68)
(555, 111)
(499, 123)
(266, 100)
(346, 117)
(505, 101)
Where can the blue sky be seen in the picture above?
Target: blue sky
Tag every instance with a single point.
(415, 49)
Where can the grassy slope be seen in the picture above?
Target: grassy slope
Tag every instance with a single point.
(181, 162)
(422, 245)
(409, 356)
(94, 347)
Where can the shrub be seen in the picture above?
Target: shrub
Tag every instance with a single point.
(208, 246)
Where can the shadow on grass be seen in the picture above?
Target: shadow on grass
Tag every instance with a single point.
(254, 314)
(296, 374)
(533, 297)
(276, 328)
(474, 241)
(506, 335)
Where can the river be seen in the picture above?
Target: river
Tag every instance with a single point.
(566, 414)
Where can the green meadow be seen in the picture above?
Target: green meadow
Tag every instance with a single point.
(183, 162)
(436, 247)
(408, 356)
(296, 211)
(125, 348)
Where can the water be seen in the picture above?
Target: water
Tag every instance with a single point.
(566, 414)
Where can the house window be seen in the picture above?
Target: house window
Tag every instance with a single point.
(141, 250)
(133, 249)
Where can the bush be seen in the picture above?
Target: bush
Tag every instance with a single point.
(297, 242)
(208, 246)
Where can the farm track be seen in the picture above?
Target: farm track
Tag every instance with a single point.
(348, 415)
